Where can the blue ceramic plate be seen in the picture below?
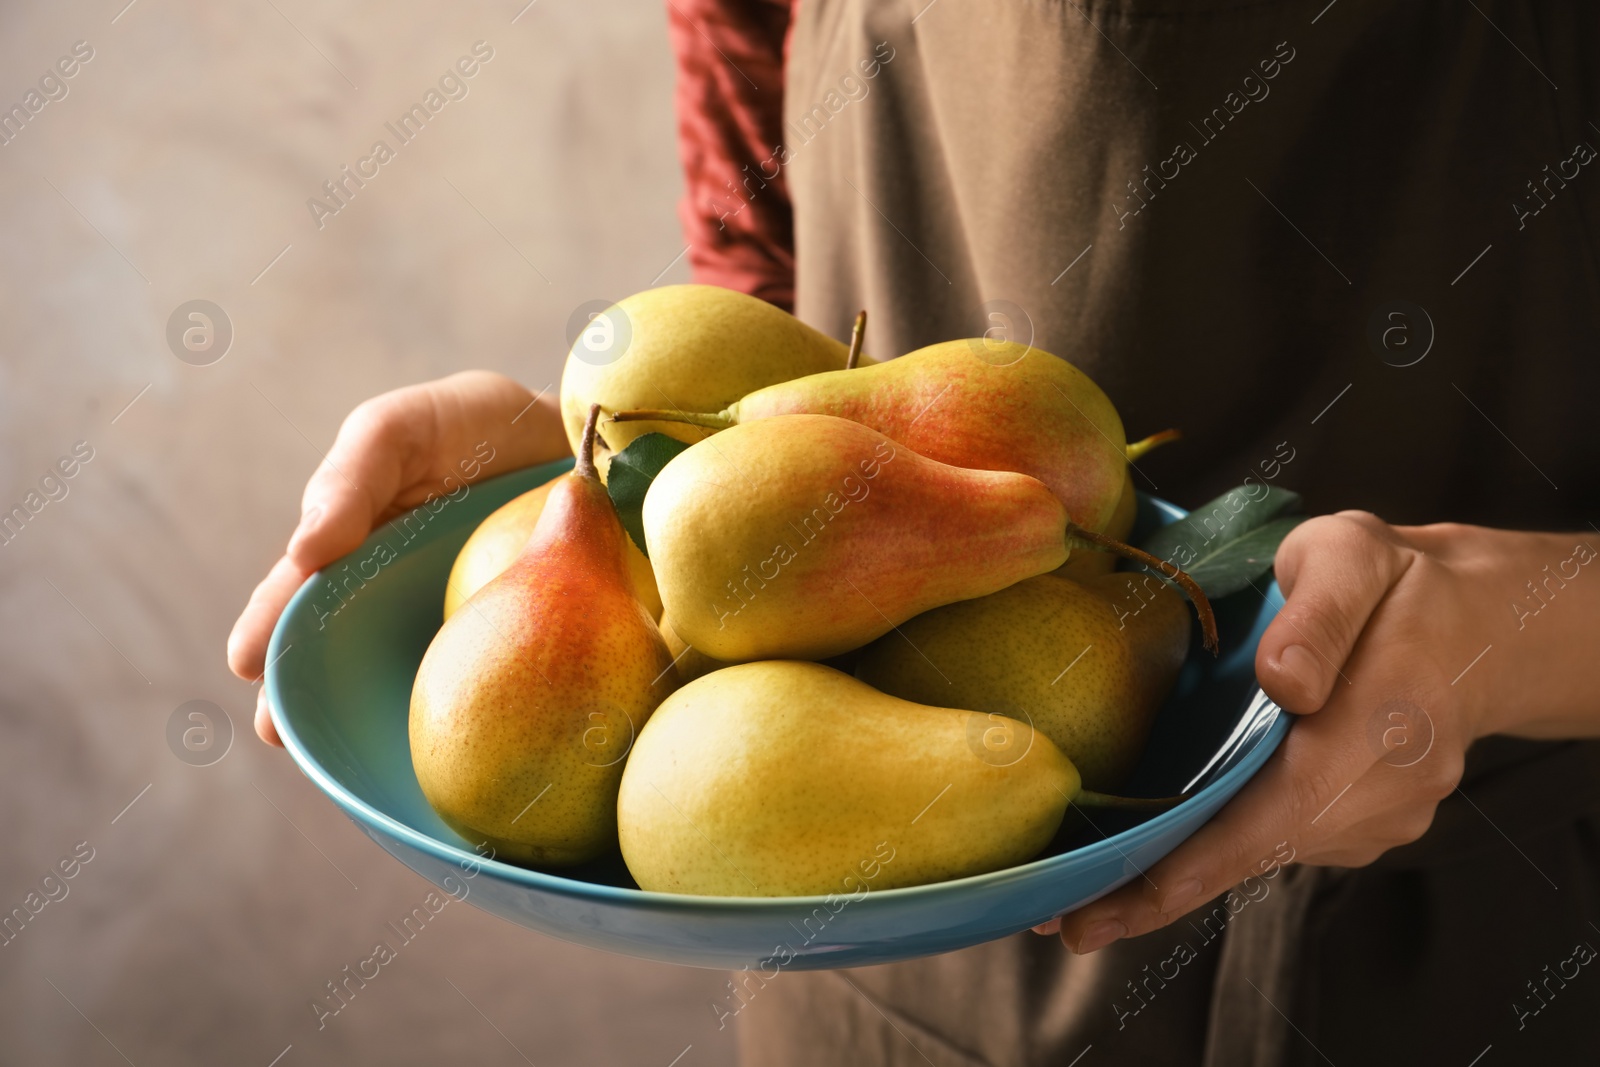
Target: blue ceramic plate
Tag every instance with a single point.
(344, 655)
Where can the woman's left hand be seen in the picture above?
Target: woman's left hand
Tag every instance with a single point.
(1397, 647)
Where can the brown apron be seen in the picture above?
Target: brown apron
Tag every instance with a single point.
(1362, 229)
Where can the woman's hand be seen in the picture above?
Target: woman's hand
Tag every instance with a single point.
(1397, 647)
(394, 452)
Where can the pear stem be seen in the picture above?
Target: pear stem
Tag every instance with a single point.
(1088, 798)
(585, 468)
(692, 418)
(1170, 571)
(855, 341)
(1137, 449)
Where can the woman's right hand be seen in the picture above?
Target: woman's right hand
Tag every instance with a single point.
(392, 453)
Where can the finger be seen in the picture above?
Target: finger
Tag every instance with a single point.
(1047, 928)
(1334, 571)
(264, 727)
(359, 477)
(1272, 819)
(247, 644)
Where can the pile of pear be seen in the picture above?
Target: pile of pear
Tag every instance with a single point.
(876, 614)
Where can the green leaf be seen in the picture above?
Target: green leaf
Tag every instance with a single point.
(1225, 568)
(1228, 517)
(632, 471)
(1228, 543)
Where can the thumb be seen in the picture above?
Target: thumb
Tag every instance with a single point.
(1334, 571)
(358, 478)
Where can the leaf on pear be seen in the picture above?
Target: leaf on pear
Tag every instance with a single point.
(1225, 568)
(632, 471)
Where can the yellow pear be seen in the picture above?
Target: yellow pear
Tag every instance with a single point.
(993, 406)
(804, 536)
(1090, 561)
(502, 536)
(1095, 560)
(1088, 665)
(691, 663)
(694, 347)
(1157, 621)
(783, 778)
(528, 699)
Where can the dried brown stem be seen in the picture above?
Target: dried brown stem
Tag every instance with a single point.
(1202, 606)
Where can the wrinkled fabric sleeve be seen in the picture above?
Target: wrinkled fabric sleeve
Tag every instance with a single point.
(735, 211)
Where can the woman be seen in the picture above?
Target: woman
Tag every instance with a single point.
(1351, 240)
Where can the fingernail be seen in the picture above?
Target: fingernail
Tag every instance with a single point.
(1099, 935)
(1179, 895)
(1302, 668)
(1048, 928)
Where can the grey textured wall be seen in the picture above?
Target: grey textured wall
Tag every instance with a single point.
(177, 166)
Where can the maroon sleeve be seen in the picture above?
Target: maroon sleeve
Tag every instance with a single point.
(735, 209)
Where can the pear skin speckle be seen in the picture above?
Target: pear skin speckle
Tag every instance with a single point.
(806, 536)
(694, 347)
(531, 695)
(784, 778)
(980, 404)
(500, 539)
(1080, 666)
